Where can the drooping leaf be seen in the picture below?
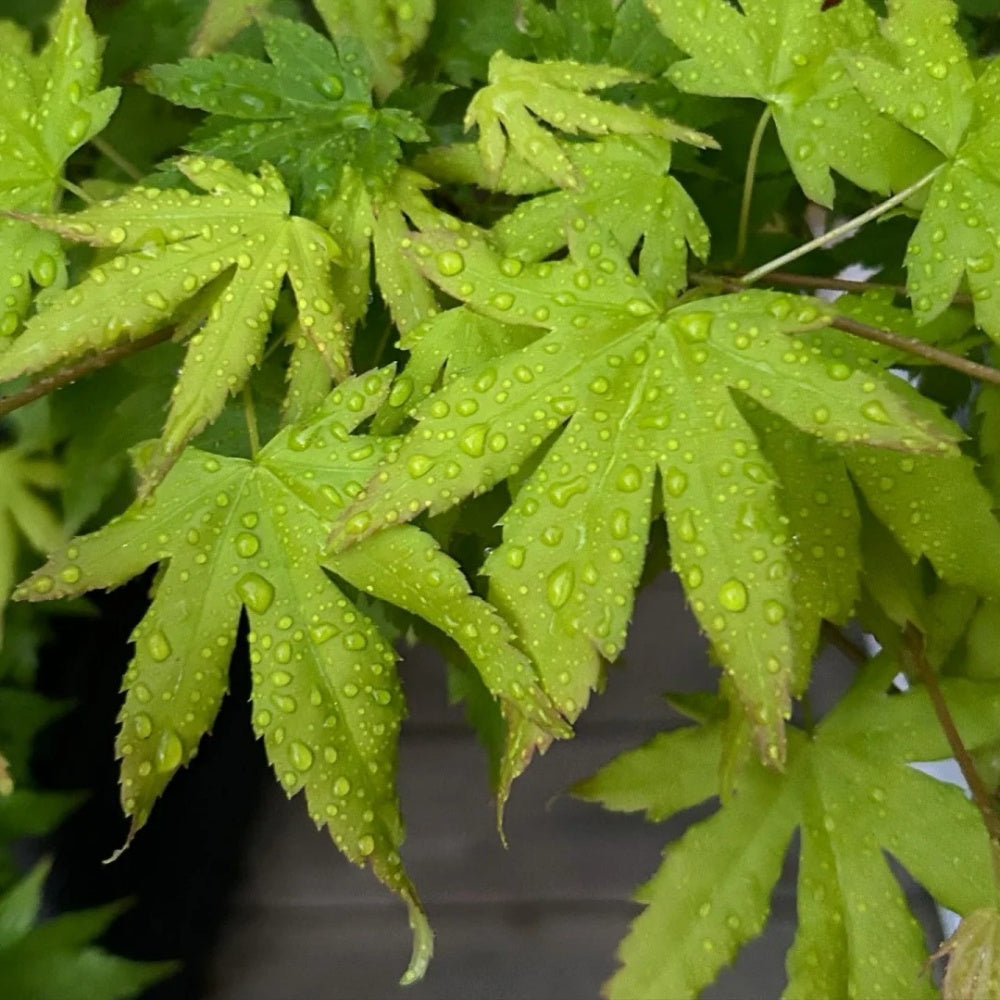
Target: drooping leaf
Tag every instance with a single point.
(620, 390)
(308, 111)
(169, 244)
(51, 107)
(235, 534)
(222, 20)
(520, 96)
(787, 53)
(849, 790)
(391, 31)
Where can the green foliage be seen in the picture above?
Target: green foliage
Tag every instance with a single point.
(527, 227)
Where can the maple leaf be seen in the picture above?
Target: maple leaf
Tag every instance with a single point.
(616, 391)
(169, 245)
(520, 96)
(235, 533)
(24, 513)
(51, 107)
(787, 54)
(926, 82)
(391, 31)
(308, 112)
(849, 790)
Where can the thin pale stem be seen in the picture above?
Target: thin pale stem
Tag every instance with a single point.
(748, 182)
(92, 363)
(77, 190)
(128, 168)
(832, 235)
(250, 416)
(918, 667)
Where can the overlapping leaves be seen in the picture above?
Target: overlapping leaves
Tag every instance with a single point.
(308, 111)
(51, 107)
(180, 256)
(232, 534)
(787, 53)
(614, 392)
(849, 791)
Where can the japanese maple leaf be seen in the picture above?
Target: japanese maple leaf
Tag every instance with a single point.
(848, 788)
(308, 111)
(617, 391)
(520, 96)
(51, 107)
(239, 238)
(231, 533)
(787, 54)
(922, 77)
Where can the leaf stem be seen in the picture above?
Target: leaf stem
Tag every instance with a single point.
(77, 190)
(94, 362)
(916, 664)
(748, 181)
(911, 345)
(831, 235)
(250, 416)
(105, 148)
(888, 338)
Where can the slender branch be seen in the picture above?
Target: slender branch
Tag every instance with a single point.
(250, 416)
(125, 166)
(748, 181)
(911, 345)
(917, 665)
(908, 345)
(77, 190)
(93, 362)
(832, 235)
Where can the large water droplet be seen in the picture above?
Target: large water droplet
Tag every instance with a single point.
(255, 592)
(247, 544)
(559, 585)
(158, 646)
(143, 726)
(301, 755)
(733, 595)
(169, 752)
(450, 263)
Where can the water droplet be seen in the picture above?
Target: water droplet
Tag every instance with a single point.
(281, 678)
(629, 479)
(774, 612)
(733, 595)
(247, 544)
(42, 584)
(366, 845)
(875, 411)
(255, 592)
(158, 646)
(301, 755)
(515, 556)
(341, 787)
(559, 585)
(143, 726)
(695, 326)
(838, 371)
(332, 87)
(473, 441)
(419, 465)
(675, 482)
(450, 263)
(169, 752)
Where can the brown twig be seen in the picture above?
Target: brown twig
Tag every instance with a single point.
(917, 665)
(91, 363)
(908, 345)
(841, 642)
(912, 345)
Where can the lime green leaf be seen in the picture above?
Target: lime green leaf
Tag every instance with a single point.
(24, 514)
(245, 534)
(850, 791)
(308, 111)
(973, 956)
(627, 190)
(51, 107)
(170, 244)
(620, 391)
(391, 31)
(957, 232)
(787, 54)
(57, 958)
(520, 96)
